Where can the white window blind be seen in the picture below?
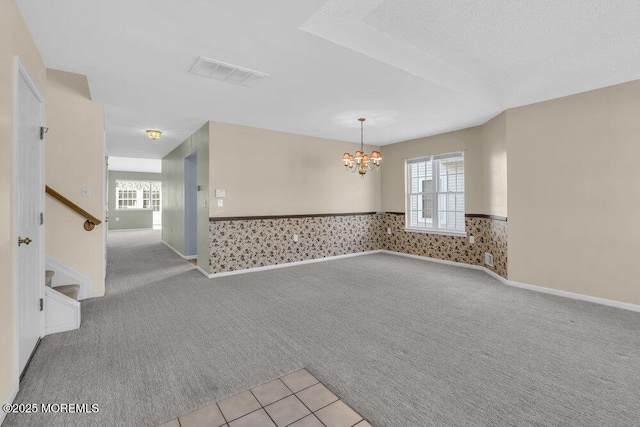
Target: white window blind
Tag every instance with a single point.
(435, 193)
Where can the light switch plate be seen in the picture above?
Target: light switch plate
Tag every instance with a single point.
(86, 192)
(220, 203)
(221, 193)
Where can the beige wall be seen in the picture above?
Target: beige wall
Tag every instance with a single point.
(267, 172)
(394, 156)
(494, 163)
(14, 40)
(574, 193)
(74, 158)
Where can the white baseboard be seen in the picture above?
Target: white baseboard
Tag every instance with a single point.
(9, 400)
(440, 261)
(187, 257)
(551, 291)
(174, 249)
(572, 295)
(202, 271)
(289, 264)
(65, 275)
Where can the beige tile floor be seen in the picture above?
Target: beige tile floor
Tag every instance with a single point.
(296, 400)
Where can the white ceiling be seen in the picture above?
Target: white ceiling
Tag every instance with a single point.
(131, 164)
(412, 67)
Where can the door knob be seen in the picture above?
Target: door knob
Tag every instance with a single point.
(26, 240)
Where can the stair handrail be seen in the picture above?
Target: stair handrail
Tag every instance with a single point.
(91, 221)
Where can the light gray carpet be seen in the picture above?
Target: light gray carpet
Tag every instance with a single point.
(403, 341)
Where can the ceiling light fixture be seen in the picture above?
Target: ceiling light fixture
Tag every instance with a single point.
(153, 134)
(362, 162)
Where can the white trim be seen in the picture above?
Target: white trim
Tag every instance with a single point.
(65, 275)
(12, 396)
(21, 70)
(441, 261)
(291, 264)
(61, 312)
(432, 231)
(14, 228)
(174, 249)
(534, 288)
(556, 292)
(202, 271)
(572, 295)
(187, 257)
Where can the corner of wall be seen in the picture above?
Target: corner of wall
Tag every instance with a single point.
(173, 194)
(76, 131)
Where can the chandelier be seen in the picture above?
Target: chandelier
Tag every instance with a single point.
(359, 161)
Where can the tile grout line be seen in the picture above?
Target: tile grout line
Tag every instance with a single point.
(337, 399)
(262, 407)
(223, 417)
(318, 382)
(248, 413)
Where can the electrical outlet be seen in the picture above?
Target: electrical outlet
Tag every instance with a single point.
(488, 259)
(117, 219)
(295, 237)
(472, 240)
(220, 203)
(388, 230)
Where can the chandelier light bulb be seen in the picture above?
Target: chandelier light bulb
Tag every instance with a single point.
(360, 161)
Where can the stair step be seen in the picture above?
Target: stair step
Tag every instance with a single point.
(48, 276)
(69, 290)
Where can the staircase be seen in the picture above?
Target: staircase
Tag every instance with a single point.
(71, 291)
(62, 308)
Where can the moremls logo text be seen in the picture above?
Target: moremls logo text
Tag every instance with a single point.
(50, 408)
(69, 408)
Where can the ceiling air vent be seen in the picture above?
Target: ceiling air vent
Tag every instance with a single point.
(229, 73)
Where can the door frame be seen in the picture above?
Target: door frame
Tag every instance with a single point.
(190, 206)
(22, 72)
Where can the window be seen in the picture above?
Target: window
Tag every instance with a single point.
(138, 195)
(435, 193)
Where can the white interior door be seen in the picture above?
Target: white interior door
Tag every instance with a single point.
(105, 197)
(29, 228)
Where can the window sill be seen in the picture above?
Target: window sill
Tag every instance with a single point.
(441, 232)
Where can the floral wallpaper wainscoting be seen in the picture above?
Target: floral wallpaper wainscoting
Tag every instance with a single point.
(249, 242)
